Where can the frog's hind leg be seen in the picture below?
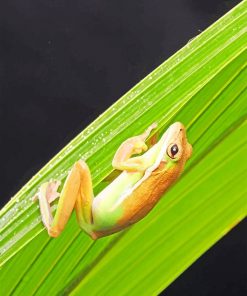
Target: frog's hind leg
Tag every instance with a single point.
(77, 193)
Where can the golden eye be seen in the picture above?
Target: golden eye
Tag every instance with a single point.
(172, 151)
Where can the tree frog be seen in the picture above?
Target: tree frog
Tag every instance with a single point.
(129, 197)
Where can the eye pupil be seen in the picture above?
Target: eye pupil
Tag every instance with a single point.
(174, 149)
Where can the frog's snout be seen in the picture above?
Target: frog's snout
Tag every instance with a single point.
(189, 150)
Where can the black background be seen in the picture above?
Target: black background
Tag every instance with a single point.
(62, 63)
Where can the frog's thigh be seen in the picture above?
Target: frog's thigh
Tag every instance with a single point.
(84, 202)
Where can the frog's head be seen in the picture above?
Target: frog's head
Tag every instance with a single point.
(178, 148)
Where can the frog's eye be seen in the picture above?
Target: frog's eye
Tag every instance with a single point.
(173, 151)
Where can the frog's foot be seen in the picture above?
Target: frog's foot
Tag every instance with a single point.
(51, 192)
(47, 193)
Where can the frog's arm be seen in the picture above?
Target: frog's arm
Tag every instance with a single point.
(135, 145)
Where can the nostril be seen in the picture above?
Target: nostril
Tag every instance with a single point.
(181, 129)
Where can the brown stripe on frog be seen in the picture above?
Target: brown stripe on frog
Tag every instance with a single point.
(145, 197)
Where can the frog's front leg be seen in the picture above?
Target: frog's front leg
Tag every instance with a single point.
(77, 193)
(123, 159)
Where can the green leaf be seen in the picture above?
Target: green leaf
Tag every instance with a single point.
(204, 86)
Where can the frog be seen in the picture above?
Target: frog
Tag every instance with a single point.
(145, 174)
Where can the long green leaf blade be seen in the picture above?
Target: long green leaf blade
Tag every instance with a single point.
(204, 86)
